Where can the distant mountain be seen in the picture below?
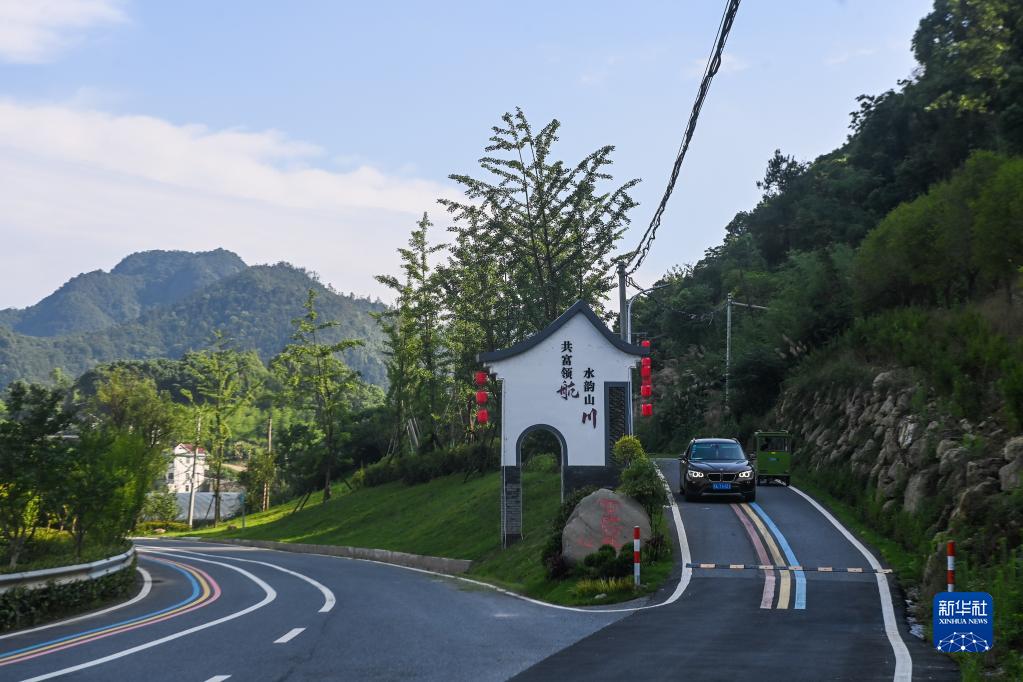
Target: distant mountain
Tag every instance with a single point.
(97, 300)
(162, 304)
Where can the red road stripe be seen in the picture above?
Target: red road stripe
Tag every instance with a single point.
(768, 596)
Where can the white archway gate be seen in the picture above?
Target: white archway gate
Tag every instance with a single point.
(573, 379)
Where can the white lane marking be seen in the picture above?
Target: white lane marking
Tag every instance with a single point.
(328, 596)
(290, 635)
(218, 678)
(271, 594)
(683, 583)
(147, 586)
(903, 661)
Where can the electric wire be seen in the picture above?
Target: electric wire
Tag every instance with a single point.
(634, 259)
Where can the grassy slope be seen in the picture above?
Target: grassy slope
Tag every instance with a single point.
(445, 517)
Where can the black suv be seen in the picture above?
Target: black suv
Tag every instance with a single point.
(716, 467)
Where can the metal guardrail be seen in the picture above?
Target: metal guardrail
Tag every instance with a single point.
(32, 580)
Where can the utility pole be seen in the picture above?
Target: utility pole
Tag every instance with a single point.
(728, 341)
(623, 313)
(270, 454)
(195, 459)
(628, 310)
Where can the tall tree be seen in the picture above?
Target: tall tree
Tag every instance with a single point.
(317, 382)
(32, 457)
(416, 344)
(553, 224)
(223, 385)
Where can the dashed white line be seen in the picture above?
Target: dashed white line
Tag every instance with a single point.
(290, 635)
(218, 678)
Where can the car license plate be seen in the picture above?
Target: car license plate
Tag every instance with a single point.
(721, 486)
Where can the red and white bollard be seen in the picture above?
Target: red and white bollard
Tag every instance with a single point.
(950, 550)
(635, 555)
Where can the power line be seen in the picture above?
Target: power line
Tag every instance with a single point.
(635, 258)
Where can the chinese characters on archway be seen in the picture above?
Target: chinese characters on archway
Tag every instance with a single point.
(569, 390)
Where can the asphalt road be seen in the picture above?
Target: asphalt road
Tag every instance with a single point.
(726, 626)
(217, 612)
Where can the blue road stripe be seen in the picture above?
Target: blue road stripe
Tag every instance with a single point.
(789, 555)
(191, 597)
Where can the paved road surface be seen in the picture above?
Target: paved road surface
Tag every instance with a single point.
(217, 612)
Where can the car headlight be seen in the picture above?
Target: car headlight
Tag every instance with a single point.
(746, 474)
(695, 474)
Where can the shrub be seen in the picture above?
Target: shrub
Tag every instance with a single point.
(160, 505)
(551, 557)
(656, 548)
(382, 472)
(543, 463)
(641, 482)
(21, 608)
(591, 587)
(607, 562)
(628, 449)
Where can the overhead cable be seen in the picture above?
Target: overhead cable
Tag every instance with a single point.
(635, 258)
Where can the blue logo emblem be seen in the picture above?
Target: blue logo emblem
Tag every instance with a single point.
(963, 622)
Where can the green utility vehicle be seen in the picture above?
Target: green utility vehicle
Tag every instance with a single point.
(773, 454)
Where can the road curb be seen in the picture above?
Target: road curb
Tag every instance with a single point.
(430, 563)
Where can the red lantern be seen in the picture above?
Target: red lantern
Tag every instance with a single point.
(644, 372)
(645, 362)
(482, 416)
(481, 378)
(648, 410)
(646, 390)
(645, 343)
(481, 397)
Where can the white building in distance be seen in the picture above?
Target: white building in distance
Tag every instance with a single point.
(179, 471)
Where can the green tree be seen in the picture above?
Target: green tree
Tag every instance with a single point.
(555, 227)
(33, 455)
(999, 227)
(160, 505)
(222, 383)
(417, 366)
(316, 382)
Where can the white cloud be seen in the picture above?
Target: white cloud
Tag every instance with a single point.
(730, 63)
(34, 31)
(83, 188)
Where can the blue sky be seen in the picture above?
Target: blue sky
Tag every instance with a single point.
(316, 132)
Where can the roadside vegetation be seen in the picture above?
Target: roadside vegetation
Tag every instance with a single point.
(447, 516)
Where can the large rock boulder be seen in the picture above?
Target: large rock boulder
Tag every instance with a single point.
(1011, 475)
(602, 518)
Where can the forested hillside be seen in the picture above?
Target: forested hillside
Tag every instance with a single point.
(163, 304)
(892, 340)
(97, 300)
(911, 230)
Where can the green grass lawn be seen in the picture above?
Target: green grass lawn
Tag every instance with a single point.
(445, 517)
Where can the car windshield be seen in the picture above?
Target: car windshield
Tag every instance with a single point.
(705, 452)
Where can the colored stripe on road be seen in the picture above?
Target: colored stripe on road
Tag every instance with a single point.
(785, 587)
(789, 554)
(205, 591)
(758, 546)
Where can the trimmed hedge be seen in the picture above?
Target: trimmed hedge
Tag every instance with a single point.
(22, 608)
